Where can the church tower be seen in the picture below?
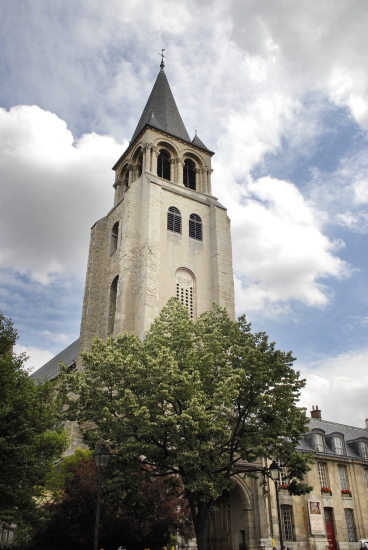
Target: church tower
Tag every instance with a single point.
(166, 234)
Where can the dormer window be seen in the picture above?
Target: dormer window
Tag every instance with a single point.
(338, 445)
(364, 449)
(319, 443)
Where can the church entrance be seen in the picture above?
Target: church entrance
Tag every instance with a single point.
(330, 529)
(219, 525)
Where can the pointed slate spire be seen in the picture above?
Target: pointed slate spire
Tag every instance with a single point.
(162, 103)
(198, 142)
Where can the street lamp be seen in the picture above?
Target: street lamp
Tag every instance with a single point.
(102, 457)
(275, 476)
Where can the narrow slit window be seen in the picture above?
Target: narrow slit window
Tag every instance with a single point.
(174, 219)
(189, 174)
(114, 238)
(195, 227)
(163, 165)
(112, 305)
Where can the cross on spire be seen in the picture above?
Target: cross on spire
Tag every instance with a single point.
(162, 64)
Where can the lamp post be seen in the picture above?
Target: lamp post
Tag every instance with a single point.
(102, 457)
(275, 476)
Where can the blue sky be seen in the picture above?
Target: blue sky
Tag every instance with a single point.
(277, 89)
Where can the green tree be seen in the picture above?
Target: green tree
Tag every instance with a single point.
(194, 399)
(31, 436)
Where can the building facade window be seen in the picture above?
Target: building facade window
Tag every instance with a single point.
(185, 290)
(319, 443)
(338, 445)
(114, 238)
(174, 219)
(112, 305)
(349, 517)
(189, 174)
(163, 164)
(364, 449)
(195, 227)
(287, 522)
(343, 478)
(366, 475)
(322, 474)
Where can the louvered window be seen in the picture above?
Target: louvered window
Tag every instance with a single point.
(163, 165)
(195, 227)
(189, 174)
(174, 219)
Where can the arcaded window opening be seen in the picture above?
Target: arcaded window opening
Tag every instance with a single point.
(163, 164)
(140, 165)
(112, 305)
(174, 219)
(114, 238)
(195, 227)
(189, 174)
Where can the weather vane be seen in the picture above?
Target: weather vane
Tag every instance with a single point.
(162, 64)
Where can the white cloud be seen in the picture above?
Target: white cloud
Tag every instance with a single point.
(53, 337)
(53, 190)
(36, 357)
(281, 253)
(339, 386)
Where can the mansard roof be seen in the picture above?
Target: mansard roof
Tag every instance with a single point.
(52, 368)
(350, 434)
(162, 104)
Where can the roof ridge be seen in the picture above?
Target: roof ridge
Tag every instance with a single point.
(338, 424)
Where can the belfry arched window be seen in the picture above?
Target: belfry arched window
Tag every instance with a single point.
(189, 174)
(114, 238)
(185, 289)
(163, 164)
(112, 305)
(195, 227)
(140, 165)
(174, 219)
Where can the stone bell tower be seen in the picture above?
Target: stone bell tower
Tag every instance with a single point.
(166, 235)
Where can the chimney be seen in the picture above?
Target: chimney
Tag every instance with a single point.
(366, 423)
(316, 413)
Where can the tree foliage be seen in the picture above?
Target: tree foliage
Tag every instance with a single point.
(31, 436)
(136, 510)
(200, 400)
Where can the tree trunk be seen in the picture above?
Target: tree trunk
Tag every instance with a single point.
(199, 511)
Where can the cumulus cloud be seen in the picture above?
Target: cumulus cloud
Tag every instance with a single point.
(36, 357)
(339, 386)
(53, 190)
